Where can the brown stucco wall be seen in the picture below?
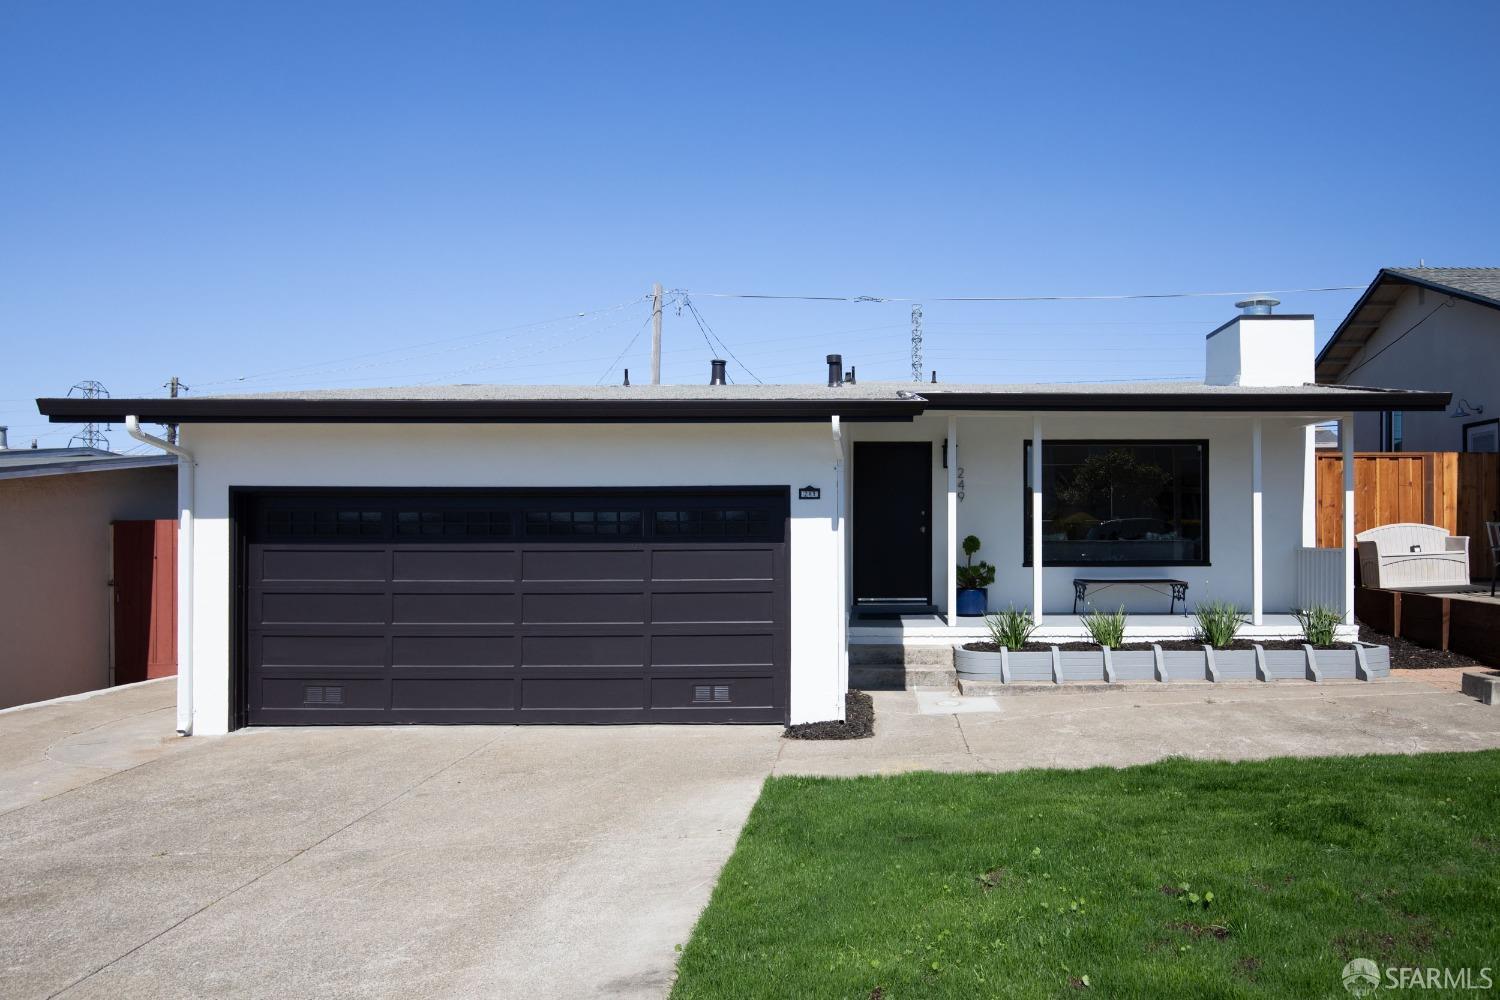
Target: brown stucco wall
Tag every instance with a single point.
(55, 556)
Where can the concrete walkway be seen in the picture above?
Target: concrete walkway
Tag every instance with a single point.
(1050, 727)
(56, 746)
(507, 862)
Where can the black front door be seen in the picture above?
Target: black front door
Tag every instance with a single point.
(893, 521)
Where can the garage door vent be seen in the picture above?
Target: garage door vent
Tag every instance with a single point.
(319, 694)
(710, 693)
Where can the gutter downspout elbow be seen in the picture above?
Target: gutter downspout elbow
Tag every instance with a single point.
(186, 503)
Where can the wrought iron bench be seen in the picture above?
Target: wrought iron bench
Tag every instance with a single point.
(1081, 585)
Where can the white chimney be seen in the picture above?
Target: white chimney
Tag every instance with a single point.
(4, 438)
(1260, 348)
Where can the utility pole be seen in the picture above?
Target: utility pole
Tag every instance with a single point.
(916, 343)
(173, 385)
(656, 334)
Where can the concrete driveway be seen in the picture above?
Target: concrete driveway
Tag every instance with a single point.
(508, 862)
(400, 862)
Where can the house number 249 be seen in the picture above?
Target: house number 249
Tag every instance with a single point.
(960, 484)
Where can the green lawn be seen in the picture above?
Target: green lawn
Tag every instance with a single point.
(933, 885)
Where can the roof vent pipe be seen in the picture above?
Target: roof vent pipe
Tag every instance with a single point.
(849, 375)
(716, 372)
(1257, 305)
(4, 438)
(627, 376)
(835, 370)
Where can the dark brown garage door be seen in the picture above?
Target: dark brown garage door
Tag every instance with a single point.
(514, 607)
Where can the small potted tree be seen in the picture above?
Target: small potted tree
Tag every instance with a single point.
(973, 581)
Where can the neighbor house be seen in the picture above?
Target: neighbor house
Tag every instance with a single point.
(76, 581)
(709, 553)
(1424, 328)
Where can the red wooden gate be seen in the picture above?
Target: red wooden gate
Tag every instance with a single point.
(145, 585)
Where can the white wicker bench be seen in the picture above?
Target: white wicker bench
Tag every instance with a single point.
(1393, 556)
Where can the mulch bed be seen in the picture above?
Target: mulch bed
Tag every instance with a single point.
(1409, 656)
(1181, 644)
(858, 724)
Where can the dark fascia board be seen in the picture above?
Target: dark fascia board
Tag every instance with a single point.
(171, 411)
(1387, 276)
(452, 411)
(1333, 401)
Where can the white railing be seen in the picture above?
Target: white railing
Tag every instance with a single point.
(1320, 578)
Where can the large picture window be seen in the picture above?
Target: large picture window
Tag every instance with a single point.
(1121, 503)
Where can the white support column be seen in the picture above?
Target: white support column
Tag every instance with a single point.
(1036, 519)
(1346, 445)
(841, 589)
(951, 459)
(1310, 487)
(1257, 563)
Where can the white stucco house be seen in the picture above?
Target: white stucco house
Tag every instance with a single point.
(1423, 328)
(711, 553)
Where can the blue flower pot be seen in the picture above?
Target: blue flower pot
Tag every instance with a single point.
(973, 603)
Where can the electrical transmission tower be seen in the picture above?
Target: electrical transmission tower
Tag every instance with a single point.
(916, 342)
(91, 436)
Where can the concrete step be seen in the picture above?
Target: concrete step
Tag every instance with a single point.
(892, 666)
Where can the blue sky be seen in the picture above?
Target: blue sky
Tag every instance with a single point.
(283, 191)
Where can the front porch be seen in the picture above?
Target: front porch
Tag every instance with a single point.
(1116, 505)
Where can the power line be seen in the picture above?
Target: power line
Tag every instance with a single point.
(601, 378)
(707, 330)
(330, 364)
(1026, 298)
(1441, 305)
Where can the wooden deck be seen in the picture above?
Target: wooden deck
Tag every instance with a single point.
(1464, 619)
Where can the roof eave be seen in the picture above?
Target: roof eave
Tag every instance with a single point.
(448, 411)
(1333, 401)
(1389, 276)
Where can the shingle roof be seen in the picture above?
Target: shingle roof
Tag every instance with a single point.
(1480, 285)
(1481, 281)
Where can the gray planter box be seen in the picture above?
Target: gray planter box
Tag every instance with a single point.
(1377, 660)
(1286, 665)
(1234, 664)
(1029, 666)
(1082, 666)
(1185, 665)
(977, 665)
(1086, 666)
(1133, 664)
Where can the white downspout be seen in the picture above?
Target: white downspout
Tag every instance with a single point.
(840, 592)
(185, 507)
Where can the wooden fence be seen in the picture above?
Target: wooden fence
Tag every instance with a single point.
(1458, 490)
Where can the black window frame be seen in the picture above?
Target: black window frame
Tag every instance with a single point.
(1201, 443)
(1393, 430)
